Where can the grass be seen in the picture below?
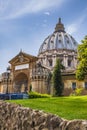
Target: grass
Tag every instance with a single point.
(73, 107)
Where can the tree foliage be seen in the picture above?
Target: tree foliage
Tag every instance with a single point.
(30, 87)
(57, 78)
(49, 82)
(82, 58)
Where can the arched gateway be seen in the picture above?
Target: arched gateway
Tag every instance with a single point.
(21, 71)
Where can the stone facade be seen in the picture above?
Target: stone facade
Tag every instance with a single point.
(24, 71)
(71, 83)
(15, 117)
(67, 57)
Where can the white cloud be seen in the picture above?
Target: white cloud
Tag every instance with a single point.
(14, 8)
(47, 13)
(74, 27)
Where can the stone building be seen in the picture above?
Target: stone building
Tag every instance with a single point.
(24, 71)
(27, 70)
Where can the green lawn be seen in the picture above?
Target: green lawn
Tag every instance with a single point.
(66, 107)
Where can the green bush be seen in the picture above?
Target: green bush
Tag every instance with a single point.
(78, 91)
(38, 95)
(73, 94)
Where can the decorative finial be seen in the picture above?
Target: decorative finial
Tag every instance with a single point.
(59, 20)
(59, 26)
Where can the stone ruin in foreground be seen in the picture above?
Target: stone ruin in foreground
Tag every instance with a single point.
(16, 117)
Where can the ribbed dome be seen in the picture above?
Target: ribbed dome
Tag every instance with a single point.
(58, 40)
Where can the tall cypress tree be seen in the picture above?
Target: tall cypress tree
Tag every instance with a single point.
(57, 79)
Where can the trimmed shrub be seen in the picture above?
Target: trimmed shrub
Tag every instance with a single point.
(38, 95)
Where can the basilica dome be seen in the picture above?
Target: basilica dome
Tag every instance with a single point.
(59, 39)
(59, 45)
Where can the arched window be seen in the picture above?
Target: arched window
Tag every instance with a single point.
(59, 41)
(73, 85)
(69, 63)
(59, 35)
(50, 62)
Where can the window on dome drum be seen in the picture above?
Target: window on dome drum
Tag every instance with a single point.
(69, 63)
(53, 35)
(66, 36)
(67, 41)
(73, 85)
(59, 35)
(50, 63)
(85, 85)
(60, 41)
(51, 41)
(74, 43)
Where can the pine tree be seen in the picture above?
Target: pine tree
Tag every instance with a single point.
(57, 79)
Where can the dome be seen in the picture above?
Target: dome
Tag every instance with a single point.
(58, 40)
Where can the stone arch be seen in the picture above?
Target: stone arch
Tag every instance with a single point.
(20, 83)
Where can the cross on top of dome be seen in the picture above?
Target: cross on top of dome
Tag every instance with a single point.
(59, 26)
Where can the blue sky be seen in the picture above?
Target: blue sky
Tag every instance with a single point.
(24, 24)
